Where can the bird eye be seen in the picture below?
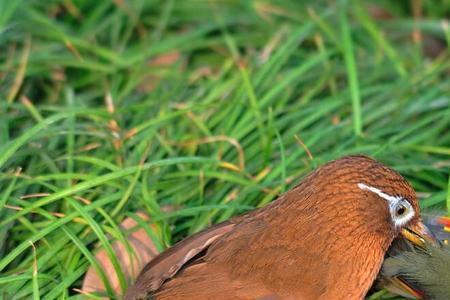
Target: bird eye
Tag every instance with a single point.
(400, 210)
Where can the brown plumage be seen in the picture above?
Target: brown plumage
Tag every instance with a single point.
(323, 239)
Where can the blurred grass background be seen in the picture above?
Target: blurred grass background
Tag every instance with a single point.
(209, 107)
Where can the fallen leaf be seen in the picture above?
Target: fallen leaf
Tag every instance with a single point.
(144, 249)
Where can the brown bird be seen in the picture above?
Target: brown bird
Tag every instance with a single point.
(323, 239)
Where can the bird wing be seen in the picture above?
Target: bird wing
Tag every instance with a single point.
(201, 281)
(168, 263)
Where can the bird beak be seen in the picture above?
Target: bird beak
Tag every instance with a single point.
(419, 235)
(399, 286)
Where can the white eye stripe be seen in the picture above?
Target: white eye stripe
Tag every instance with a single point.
(394, 202)
(388, 198)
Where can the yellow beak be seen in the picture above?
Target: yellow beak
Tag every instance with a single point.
(419, 235)
(398, 286)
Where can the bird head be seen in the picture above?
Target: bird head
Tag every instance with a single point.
(403, 213)
(371, 192)
(385, 192)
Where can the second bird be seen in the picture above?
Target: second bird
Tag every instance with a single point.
(323, 239)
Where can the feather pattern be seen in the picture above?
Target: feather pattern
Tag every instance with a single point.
(323, 239)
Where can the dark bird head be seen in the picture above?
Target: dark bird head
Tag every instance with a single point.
(423, 274)
(421, 270)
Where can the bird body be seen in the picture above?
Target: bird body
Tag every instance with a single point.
(420, 272)
(324, 239)
(425, 272)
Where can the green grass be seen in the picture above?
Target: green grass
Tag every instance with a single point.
(86, 111)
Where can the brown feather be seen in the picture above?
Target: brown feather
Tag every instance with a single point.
(323, 239)
(168, 263)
